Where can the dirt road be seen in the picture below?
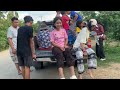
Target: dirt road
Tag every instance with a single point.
(8, 70)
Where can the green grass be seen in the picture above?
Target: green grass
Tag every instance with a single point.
(112, 55)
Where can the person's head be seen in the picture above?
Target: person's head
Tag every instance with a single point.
(63, 12)
(79, 24)
(28, 20)
(98, 21)
(93, 23)
(58, 12)
(57, 23)
(43, 25)
(85, 23)
(15, 22)
(68, 12)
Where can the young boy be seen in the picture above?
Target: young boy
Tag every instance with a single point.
(65, 22)
(81, 50)
(25, 47)
(78, 29)
(12, 39)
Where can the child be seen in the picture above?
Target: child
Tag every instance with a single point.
(78, 27)
(81, 50)
(65, 22)
(61, 51)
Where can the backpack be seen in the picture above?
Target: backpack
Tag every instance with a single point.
(43, 38)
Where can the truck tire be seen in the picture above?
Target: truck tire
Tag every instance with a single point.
(38, 65)
(52, 59)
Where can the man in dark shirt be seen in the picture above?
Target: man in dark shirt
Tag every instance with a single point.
(25, 47)
(98, 28)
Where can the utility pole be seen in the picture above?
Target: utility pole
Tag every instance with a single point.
(41, 18)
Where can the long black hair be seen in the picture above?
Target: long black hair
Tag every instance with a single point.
(55, 19)
(78, 23)
(89, 25)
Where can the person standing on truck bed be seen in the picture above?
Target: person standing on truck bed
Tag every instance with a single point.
(61, 51)
(65, 23)
(25, 47)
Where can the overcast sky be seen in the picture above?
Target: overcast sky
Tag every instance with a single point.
(38, 15)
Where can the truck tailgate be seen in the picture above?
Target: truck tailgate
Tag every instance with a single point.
(43, 53)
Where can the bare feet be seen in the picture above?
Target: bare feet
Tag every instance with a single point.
(90, 73)
(80, 76)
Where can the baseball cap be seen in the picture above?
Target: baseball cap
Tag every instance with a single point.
(93, 22)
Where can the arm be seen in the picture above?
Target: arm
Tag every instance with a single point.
(101, 30)
(82, 46)
(66, 41)
(9, 36)
(71, 22)
(54, 44)
(32, 43)
(74, 15)
(32, 46)
(75, 18)
(11, 45)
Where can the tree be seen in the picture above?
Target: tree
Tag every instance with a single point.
(4, 24)
(109, 19)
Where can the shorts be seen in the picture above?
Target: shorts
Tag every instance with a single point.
(15, 59)
(25, 61)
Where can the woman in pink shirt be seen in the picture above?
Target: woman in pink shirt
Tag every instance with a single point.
(60, 48)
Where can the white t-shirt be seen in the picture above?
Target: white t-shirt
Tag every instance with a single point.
(81, 37)
(12, 33)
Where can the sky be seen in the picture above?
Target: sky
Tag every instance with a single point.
(38, 15)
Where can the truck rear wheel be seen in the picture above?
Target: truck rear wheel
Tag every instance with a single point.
(38, 65)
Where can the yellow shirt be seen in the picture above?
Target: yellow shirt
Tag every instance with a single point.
(78, 29)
